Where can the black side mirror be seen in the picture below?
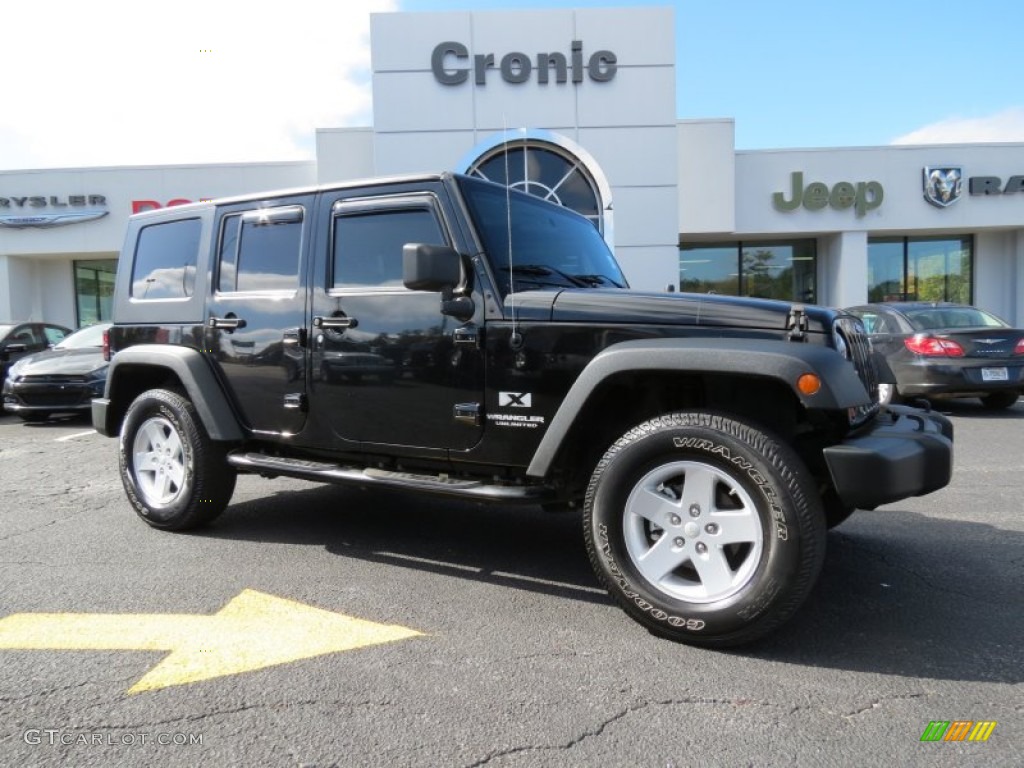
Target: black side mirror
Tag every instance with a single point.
(437, 268)
(430, 267)
(14, 348)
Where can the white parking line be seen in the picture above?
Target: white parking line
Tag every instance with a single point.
(72, 437)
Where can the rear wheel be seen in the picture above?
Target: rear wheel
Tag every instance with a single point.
(998, 401)
(174, 475)
(704, 528)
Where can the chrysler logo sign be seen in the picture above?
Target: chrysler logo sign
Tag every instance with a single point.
(942, 184)
(44, 211)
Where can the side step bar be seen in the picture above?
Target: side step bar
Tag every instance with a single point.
(326, 472)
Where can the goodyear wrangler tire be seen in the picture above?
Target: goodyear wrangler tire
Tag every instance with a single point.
(176, 477)
(705, 529)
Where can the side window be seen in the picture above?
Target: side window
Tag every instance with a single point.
(28, 335)
(870, 320)
(54, 335)
(368, 245)
(886, 325)
(165, 260)
(260, 250)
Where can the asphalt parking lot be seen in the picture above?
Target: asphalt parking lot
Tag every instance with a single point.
(484, 638)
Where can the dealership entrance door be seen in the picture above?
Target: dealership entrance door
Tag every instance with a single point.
(94, 290)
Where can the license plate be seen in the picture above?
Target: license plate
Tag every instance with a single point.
(994, 374)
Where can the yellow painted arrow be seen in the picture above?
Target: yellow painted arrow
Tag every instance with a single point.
(252, 631)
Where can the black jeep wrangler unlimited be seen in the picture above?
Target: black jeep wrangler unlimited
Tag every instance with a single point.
(444, 335)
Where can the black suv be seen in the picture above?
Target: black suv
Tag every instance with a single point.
(441, 334)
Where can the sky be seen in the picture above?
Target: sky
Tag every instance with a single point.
(119, 82)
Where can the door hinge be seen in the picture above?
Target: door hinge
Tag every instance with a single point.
(796, 323)
(468, 336)
(298, 336)
(296, 401)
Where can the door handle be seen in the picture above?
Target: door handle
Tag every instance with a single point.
(229, 323)
(334, 323)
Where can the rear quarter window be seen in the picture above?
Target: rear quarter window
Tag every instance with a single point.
(165, 260)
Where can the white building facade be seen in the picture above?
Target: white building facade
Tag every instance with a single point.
(578, 106)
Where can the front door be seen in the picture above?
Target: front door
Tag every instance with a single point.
(256, 317)
(386, 368)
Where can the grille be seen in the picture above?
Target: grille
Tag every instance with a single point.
(54, 378)
(860, 354)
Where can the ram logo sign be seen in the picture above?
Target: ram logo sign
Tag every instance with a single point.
(942, 184)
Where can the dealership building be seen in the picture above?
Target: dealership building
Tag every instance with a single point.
(579, 107)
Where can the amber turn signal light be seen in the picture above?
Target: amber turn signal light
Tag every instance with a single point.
(809, 384)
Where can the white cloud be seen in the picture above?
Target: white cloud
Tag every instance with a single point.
(1007, 125)
(125, 83)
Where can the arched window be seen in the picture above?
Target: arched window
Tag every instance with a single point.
(548, 171)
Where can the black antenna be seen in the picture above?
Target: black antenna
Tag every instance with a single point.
(515, 340)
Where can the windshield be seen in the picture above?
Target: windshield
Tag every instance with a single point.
(551, 245)
(86, 337)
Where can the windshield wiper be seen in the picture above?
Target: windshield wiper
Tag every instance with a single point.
(543, 270)
(579, 281)
(596, 280)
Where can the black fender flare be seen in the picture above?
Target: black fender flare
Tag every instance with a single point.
(196, 376)
(783, 361)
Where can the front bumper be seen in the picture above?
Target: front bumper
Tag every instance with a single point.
(32, 397)
(904, 452)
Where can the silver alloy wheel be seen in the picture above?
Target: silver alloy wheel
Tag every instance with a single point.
(693, 532)
(158, 462)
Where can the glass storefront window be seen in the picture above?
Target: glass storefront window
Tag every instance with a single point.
(921, 269)
(886, 270)
(94, 290)
(779, 270)
(709, 269)
(771, 270)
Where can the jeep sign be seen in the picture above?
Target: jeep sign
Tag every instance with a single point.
(863, 197)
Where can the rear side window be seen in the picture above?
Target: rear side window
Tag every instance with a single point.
(368, 245)
(54, 334)
(165, 260)
(260, 250)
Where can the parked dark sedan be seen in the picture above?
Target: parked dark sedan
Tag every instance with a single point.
(938, 350)
(20, 339)
(60, 380)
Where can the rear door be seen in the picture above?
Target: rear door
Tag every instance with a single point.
(256, 316)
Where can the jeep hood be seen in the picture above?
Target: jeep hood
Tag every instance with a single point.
(638, 308)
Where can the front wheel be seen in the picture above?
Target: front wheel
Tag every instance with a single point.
(704, 528)
(174, 475)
